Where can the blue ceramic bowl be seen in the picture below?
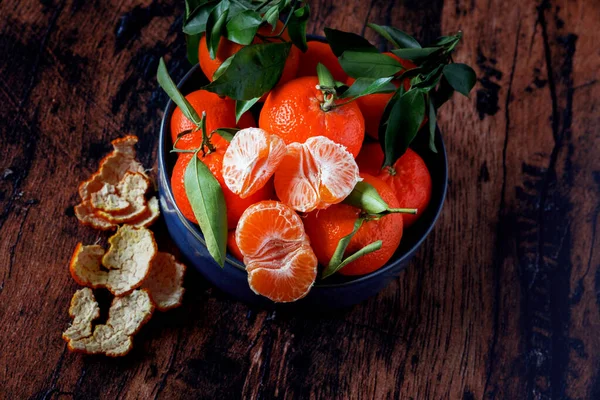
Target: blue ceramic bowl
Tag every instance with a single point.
(334, 292)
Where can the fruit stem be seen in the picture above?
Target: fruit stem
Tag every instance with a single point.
(402, 210)
(205, 138)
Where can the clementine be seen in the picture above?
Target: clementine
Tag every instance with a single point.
(319, 52)
(294, 111)
(326, 227)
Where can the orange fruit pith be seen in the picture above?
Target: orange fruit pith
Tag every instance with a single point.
(411, 181)
(214, 161)
(315, 174)
(370, 158)
(251, 159)
(319, 52)
(326, 227)
(280, 262)
(293, 112)
(227, 48)
(372, 106)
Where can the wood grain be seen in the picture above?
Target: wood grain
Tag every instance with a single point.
(501, 302)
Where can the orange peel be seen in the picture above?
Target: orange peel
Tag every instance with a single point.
(149, 216)
(86, 214)
(132, 189)
(84, 310)
(126, 316)
(113, 167)
(127, 262)
(107, 199)
(164, 282)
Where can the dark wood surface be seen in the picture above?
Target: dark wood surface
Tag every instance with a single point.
(501, 302)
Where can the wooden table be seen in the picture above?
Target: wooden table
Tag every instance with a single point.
(502, 301)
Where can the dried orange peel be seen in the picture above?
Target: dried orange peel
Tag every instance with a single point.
(126, 264)
(126, 316)
(113, 167)
(131, 189)
(164, 282)
(116, 193)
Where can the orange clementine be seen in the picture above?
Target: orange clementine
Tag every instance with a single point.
(228, 48)
(326, 227)
(319, 52)
(315, 174)
(411, 181)
(246, 121)
(372, 106)
(251, 159)
(370, 158)
(293, 112)
(280, 262)
(214, 161)
(232, 246)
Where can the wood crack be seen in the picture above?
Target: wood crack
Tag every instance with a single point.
(501, 230)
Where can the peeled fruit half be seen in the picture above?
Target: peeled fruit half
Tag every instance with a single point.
(281, 264)
(315, 174)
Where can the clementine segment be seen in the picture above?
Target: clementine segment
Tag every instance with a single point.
(411, 181)
(280, 262)
(326, 227)
(250, 160)
(214, 161)
(319, 52)
(293, 112)
(228, 48)
(315, 174)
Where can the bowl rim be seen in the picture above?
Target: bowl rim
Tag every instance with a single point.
(162, 172)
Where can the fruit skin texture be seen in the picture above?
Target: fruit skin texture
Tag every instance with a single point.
(293, 112)
(214, 161)
(228, 48)
(319, 52)
(372, 106)
(411, 182)
(280, 262)
(232, 246)
(220, 113)
(326, 227)
(370, 158)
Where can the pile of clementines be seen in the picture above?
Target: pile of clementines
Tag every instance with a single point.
(326, 177)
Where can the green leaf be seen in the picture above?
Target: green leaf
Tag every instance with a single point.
(416, 55)
(165, 81)
(208, 204)
(325, 77)
(442, 94)
(430, 80)
(369, 65)
(402, 125)
(432, 125)
(395, 36)
(253, 71)
(284, 5)
(341, 41)
(366, 197)
(215, 27)
(336, 262)
(461, 77)
(370, 248)
(192, 42)
(226, 133)
(222, 68)
(241, 106)
(243, 27)
(297, 27)
(195, 24)
(366, 86)
(272, 16)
